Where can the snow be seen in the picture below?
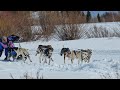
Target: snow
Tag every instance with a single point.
(105, 59)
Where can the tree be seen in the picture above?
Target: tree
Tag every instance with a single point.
(83, 14)
(98, 17)
(88, 16)
(16, 22)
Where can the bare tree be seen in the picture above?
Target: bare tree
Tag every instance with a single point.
(98, 32)
(15, 22)
(27, 76)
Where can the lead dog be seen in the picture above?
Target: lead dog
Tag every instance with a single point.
(81, 55)
(86, 55)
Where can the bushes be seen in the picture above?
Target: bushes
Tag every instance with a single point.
(45, 26)
(61, 25)
(101, 32)
(16, 22)
(48, 21)
(68, 32)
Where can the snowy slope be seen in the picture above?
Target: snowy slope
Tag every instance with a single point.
(105, 59)
(110, 26)
(111, 43)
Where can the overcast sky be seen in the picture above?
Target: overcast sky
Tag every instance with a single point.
(94, 13)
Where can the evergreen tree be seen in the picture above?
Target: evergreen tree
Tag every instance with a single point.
(88, 16)
(83, 14)
(98, 17)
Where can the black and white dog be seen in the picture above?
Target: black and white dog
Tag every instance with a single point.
(45, 51)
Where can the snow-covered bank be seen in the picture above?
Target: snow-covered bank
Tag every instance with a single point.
(105, 59)
(112, 43)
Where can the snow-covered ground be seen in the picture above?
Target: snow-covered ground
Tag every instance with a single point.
(105, 59)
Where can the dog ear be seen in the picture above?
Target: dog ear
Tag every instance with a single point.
(15, 48)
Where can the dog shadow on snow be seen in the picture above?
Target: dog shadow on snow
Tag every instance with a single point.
(6, 61)
(11, 60)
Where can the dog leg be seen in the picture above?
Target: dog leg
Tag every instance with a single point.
(14, 58)
(88, 60)
(8, 58)
(45, 60)
(42, 57)
(72, 61)
(52, 59)
(64, 59)
(78, 61)
(25, 59)
(39, 58)
(29, 58)
(49, 61)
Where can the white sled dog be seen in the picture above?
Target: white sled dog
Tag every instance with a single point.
(21, 52)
